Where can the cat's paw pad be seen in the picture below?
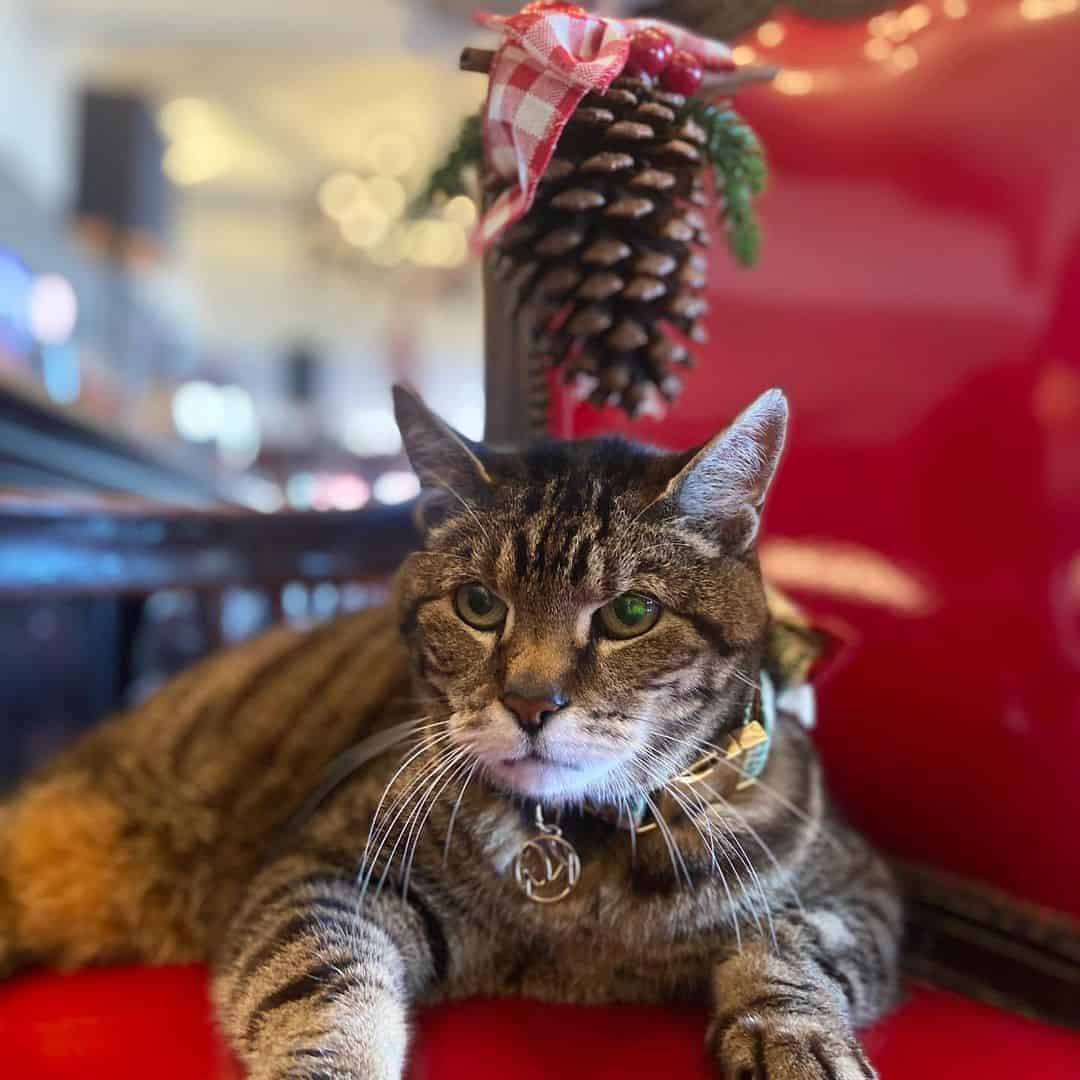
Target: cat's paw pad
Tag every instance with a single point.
(758, 1046)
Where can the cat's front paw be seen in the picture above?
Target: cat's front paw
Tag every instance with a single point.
(756, 1044)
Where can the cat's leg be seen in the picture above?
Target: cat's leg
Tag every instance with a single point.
(788, 1011)
(314, 982)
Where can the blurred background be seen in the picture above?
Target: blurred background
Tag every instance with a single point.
(201, 219)
(208, 282)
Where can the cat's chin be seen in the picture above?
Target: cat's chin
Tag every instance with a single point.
(547, 780)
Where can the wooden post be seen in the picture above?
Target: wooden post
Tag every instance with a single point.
(515, 375)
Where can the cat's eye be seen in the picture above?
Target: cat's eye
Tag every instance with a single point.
(629, 615)
(477, 605)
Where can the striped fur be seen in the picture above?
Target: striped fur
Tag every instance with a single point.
(149, 838)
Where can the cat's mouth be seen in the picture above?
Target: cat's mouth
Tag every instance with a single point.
(538, 759)
(535, 775)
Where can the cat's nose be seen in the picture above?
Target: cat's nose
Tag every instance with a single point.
(533, 712)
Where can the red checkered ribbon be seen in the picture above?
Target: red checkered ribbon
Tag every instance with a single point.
(546, 63)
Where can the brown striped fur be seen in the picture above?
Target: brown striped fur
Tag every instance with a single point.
(150, 838)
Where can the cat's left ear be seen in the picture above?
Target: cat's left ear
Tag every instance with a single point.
(724, 483)
(443, 460)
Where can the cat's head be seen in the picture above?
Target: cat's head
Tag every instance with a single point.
(585, 615)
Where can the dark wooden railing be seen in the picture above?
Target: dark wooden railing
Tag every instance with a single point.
(68, 543)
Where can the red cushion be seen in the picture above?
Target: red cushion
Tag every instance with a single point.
(132, 1023)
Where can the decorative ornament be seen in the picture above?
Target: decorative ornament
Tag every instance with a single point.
(547, 868)
(594, 181)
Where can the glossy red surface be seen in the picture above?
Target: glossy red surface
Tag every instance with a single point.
(135, 1023)
(919, 300)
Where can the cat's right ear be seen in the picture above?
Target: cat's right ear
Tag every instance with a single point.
(446, 463)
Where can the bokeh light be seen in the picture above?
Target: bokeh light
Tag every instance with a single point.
(52, 309)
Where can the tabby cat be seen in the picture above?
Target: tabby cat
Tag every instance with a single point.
(584, 622)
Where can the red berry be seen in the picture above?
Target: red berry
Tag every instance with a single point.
(650, 52)
(683, 75)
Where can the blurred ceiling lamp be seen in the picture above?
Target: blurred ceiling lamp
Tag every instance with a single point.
(437, 243)
(390, 251)
(955, 9)
(387, 194)
(197, 411)
(365, 228)
(52, 309)
(338, 193)
(372, 433)
(743, 55)
(345, 491)
(196, 160)
(238, 436)
(200, 146)
(183, 117)
(461, 210)
(396, 486)
(390, 154)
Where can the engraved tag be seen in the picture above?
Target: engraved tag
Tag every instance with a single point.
(547, 867)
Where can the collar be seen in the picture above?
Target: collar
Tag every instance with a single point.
(746, 747)
(733, 766)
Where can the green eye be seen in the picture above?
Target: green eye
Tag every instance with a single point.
(629, 615)
(479, 606)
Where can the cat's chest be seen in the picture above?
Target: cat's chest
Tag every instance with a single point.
(595, 945)
(583, 887)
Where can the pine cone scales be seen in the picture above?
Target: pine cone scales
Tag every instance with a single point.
(611, 249)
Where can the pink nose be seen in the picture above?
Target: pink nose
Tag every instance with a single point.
(532, 713)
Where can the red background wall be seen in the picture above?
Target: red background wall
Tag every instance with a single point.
(918, 298)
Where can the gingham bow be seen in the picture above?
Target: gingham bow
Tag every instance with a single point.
(546, 63)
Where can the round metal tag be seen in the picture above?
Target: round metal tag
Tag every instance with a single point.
(547, 868)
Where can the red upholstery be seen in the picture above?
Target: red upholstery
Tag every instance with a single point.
(133, 1024)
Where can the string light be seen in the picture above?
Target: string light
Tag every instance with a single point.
(794, 82)
(955, 9)
(878, 49)
(916, 18)
(743, 54)
(905, 57)
(771, 33)
(1047, 9)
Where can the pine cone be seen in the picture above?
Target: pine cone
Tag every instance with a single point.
(611, 248)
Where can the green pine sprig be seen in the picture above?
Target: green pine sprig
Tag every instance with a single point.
(741, 172)
(463, 159)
